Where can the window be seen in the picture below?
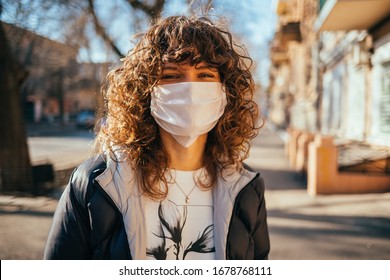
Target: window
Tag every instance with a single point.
(385, 99)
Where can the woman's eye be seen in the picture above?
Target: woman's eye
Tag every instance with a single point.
(207, 75)
(169, 76)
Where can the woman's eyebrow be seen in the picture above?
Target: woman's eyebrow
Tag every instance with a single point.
(198, 67)
(169, 68)
(203, 66)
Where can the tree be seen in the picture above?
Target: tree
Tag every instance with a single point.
(15, 167)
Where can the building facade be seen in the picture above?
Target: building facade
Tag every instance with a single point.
(334, 66)
(56, 86)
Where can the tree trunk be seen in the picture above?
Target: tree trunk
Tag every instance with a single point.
(15, 166)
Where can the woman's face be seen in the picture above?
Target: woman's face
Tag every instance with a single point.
(183, 72)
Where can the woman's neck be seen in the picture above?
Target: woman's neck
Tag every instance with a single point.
(182, 158)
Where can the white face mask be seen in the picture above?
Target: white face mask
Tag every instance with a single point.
(188, 110)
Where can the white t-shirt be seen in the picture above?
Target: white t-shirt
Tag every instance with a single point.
(180, 229)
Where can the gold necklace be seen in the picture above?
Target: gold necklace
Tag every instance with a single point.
(187, 200)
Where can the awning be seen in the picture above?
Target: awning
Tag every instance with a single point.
(351, 14)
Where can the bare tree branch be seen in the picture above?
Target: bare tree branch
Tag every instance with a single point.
(100, 30)
(154, 11)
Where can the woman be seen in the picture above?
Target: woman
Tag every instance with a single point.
(169, 180)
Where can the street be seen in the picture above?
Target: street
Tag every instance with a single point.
(300, 226)
(63, 151)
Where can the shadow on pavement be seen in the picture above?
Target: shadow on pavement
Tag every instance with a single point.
(282, 179)
(305, 225)
(28, 213)
(321, 237)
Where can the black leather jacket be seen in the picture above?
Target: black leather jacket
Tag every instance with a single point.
(88, 225)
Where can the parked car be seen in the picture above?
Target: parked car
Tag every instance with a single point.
(85, 119)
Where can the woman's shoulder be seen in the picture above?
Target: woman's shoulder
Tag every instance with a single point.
(90, 168)
(81, 181)
(256, 185)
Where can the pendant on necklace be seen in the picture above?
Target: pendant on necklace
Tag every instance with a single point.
(187, 199)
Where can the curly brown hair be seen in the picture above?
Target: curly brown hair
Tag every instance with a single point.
(131, 128)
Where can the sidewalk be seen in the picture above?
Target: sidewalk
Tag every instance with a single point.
(301, 227)
(25, 220)
(321, 227)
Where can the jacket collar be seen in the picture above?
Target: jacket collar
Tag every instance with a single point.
(118, 181)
